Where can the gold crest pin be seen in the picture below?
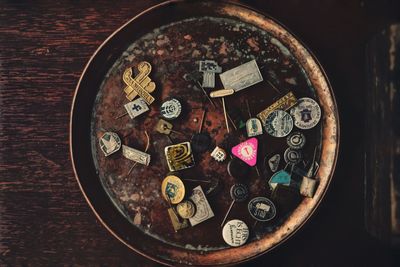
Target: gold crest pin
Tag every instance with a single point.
(141, 85)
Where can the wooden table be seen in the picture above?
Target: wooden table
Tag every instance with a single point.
(44, 219)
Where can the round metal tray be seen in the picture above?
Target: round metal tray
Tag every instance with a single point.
(173, 37)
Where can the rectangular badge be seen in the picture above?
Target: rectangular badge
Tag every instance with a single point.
(136, 155)
(203, 209)
(285, 102)
(136, 107)
(242, 76)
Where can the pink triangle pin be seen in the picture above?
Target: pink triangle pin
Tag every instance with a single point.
(247, 151)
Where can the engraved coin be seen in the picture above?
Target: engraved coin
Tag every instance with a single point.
(296, 140)
(306, 113)
(292, 156)
(173, 189)
(171, 109)
(186, 209)
(279, 123)
(262, 209)
(239, 192)
(235, 233)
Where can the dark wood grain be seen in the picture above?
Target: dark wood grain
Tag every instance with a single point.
(45, 220)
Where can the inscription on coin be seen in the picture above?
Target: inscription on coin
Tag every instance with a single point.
(262, 209)
(279, 123)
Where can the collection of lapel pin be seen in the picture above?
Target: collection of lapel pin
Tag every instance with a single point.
(277, 120)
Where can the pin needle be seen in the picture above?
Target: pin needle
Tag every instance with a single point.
(120, 116)
(202, 121)
(204, 91)
(226, 119)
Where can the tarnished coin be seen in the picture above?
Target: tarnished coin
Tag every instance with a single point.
(292, 156)
(235, 233)
(262, 209)
(296, 140)
(306, 113)
(171, 109)
(173, 189)
(279, 123)
(239, 192)
(109, 143)
(186, 209)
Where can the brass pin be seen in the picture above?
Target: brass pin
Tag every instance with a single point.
(120, 116)
(202, 121)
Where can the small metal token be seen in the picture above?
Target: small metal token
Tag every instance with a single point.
(209, 68)
(279, 123)
(176, 222)
(110, 143)
(247, 151)
(308, 186)
(136, 107)
(171, 109)
(292, 156)
(239, 192)
(273, 162)
(179, 156)
(296, 140)
(200, 142)
(203, 208)
(173, 189)
(262, 209)
(235, 233)
(238, 169)
(306, 113)
(242, 76)
(218, 154)
(136, 155)
(163, 127)
(186, 209)
(253, 127)
(222, 93)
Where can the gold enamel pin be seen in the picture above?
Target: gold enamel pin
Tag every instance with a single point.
(141, 85)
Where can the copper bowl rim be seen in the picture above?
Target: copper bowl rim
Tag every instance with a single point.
(234, 9)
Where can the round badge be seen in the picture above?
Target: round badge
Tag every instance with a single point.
(292, 156)
(306, 113)
(235, 233)
(109, 143)
(172, 188)
(296, 140)
(279, 123)
(186, 209)
(262, 209)
(239, 192)
(200, 142)
(171, 109)
(238, 169)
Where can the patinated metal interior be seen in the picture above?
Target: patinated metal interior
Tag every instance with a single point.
(131, 206)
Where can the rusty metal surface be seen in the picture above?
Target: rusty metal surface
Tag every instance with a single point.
(231, 35)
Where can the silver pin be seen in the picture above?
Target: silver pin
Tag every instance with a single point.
(209, 68)
(145, 150)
